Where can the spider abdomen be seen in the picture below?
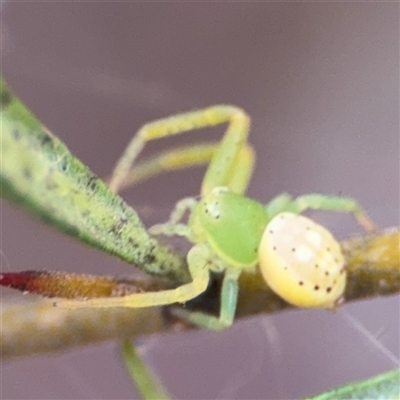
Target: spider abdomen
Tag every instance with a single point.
(302, 262)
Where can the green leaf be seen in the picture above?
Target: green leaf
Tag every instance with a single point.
(382, 387)
(41, 175)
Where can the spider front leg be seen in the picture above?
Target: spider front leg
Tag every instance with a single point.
(316, 201)
(233, 143)
(198, 262)
(173, 159)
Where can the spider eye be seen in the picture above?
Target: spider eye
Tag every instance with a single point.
(302, 262)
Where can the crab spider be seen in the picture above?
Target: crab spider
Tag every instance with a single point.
(299, 259)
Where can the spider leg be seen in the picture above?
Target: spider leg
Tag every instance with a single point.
(198, 262)
(229, 294)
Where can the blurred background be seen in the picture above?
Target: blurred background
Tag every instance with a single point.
(321, 83)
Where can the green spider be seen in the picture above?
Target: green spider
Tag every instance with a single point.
(230, 232)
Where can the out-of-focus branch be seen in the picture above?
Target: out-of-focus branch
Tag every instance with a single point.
(39, 327)
(373, 264)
